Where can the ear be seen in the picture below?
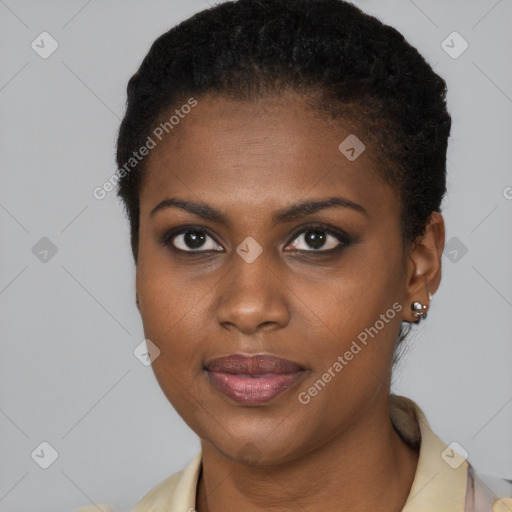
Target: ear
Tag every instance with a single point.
(424, 266)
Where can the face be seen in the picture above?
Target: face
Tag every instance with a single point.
(233, 266)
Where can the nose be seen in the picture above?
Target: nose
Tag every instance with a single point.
(252, 297)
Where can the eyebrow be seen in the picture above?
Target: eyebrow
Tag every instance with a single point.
(280, 216)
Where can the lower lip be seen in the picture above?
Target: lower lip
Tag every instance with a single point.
(249, 390)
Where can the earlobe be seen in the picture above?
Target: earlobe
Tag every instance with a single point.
(424, 274)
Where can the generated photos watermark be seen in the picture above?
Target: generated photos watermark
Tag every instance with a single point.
(156, 136)
(304, 397)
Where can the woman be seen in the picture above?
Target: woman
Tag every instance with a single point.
(282, 164)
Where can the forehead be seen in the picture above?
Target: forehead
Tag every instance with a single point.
(260, 153)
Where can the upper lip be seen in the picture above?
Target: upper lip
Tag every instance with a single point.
(254, 364)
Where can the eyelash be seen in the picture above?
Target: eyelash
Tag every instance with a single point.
(342, 237)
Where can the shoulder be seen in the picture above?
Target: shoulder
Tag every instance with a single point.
(153, 497)
(488, 493)
(160, 495)
(95, 508)
(177, 492)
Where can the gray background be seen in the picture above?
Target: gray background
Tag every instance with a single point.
(69, 324)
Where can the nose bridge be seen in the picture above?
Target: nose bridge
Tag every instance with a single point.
(251, 294)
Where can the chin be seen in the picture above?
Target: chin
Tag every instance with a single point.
(263, 450)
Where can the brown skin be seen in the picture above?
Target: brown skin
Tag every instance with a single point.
(340, 451)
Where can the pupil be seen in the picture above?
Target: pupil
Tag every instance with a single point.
(315, 238)
(194, 239)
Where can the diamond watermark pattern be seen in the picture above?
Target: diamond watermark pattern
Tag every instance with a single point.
(146, 352)
(454, 45)
(44, 455)
(455, 250)
(454, 455)
(249, 453)
(249, 249)
(44, 45)
(44, 250)
(351, 147)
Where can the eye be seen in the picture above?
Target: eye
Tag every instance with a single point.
(315, 238)
(319, 239)
(191, 240)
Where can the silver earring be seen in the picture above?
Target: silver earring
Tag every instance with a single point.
(420, 311)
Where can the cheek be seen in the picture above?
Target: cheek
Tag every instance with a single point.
(171, 314)
(351, 364)
(353, 300)
(170, 317)
(361, 327)
(359, 314)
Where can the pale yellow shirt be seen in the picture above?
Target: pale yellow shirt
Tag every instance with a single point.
(444, 480)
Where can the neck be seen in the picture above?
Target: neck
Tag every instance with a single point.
(366, 467)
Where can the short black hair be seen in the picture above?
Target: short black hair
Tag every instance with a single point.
(353, 65)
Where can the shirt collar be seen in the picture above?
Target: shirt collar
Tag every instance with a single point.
(439, 483)
(441, 475)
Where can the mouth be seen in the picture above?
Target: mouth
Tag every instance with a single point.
(253, 379)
